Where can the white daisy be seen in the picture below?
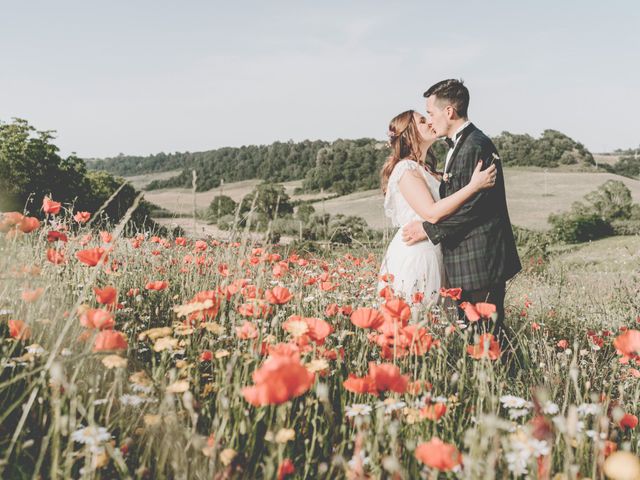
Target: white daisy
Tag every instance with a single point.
(357, 409)
(511, 401)
(91, 436)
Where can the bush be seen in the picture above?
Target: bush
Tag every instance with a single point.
(626, 227)
(226, 222)
(574, 227)
(220, 206)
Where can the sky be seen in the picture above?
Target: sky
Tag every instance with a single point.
(142, 77)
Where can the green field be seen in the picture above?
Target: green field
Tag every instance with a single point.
(532, 194)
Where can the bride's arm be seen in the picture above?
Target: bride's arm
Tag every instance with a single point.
(414, 189)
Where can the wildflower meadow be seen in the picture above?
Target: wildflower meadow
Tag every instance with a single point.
(126, 354)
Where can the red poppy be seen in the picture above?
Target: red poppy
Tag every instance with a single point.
(452, 293)
(106, 295)
(256, 309)
(50, 207)
(563, 344)
(106, 237)
(82, 217)
(206, 356)
(247, 331)
(278, 295)
(439, 455)
(386, 292)
(628, 344)
(478, 311)
(55, 256)
(331, 310)
(97, 318)
(92, 256)
(207, 314)
(278, 380)
(628, 421)
(396, 310)
(435, 411)
(157, 285)
(29, 224)
(54, 236)
(108, 340)
(417, 297)
(181, 241)
(367, 318)
(487, 347)
(360, 384)
(319, 330)
(387, 377)
(285, 469)
(19, 330)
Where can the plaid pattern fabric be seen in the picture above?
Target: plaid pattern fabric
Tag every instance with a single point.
(477, 241)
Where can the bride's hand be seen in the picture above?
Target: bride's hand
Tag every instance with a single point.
(481, 180)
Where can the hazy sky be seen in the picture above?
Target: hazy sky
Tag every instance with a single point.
(141, 77)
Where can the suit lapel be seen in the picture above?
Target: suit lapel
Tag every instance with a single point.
(463, 135)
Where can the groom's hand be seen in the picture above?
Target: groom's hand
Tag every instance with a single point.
(413, 232)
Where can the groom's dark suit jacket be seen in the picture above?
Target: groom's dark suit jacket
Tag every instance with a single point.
(477, 241)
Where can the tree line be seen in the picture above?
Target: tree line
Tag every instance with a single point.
(342, 166)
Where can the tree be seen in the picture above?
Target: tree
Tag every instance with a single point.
(220, 206)
(266, 202)
(30, 166)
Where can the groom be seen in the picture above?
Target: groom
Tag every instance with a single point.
(477, 241)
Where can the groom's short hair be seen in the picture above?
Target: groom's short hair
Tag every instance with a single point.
(452, 91)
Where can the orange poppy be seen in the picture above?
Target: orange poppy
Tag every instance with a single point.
(50, 207)
(29, 224)
(108, 340)
(452, 293)
(82, 217)
(319, 330)
(92, 256)
(278, 380)
(360, 384)
(278, 295)
(157, 285)
(54, 236)
(106, 237)
(435, 411)
(97, 318)
(209, 313)
(628, 344)
(55, 256)
(387, 377)
(19, 330)
(247, 331)
(439, 455)
(367, 318)
(396, 310)
(106, 295)
(487, 347)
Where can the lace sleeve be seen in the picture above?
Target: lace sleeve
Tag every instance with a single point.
(392, 186)
(399, 170)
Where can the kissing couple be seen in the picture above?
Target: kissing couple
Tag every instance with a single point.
(456, 231)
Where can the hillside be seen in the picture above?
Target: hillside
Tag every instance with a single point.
(532, 195)
(342, 166)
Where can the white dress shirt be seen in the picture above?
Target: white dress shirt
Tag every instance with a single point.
(456, 136)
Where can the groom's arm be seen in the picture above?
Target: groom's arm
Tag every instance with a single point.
(475, 210)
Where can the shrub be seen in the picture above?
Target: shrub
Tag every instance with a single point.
(575, 227)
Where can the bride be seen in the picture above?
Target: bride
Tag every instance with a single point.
(411, 184)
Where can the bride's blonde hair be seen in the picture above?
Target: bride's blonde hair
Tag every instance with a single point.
(404, 141)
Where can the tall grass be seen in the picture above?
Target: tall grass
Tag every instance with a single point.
(167, 412)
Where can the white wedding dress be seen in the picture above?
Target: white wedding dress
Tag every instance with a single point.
(418, 267)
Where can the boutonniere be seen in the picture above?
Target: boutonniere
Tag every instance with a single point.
(446, 177)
